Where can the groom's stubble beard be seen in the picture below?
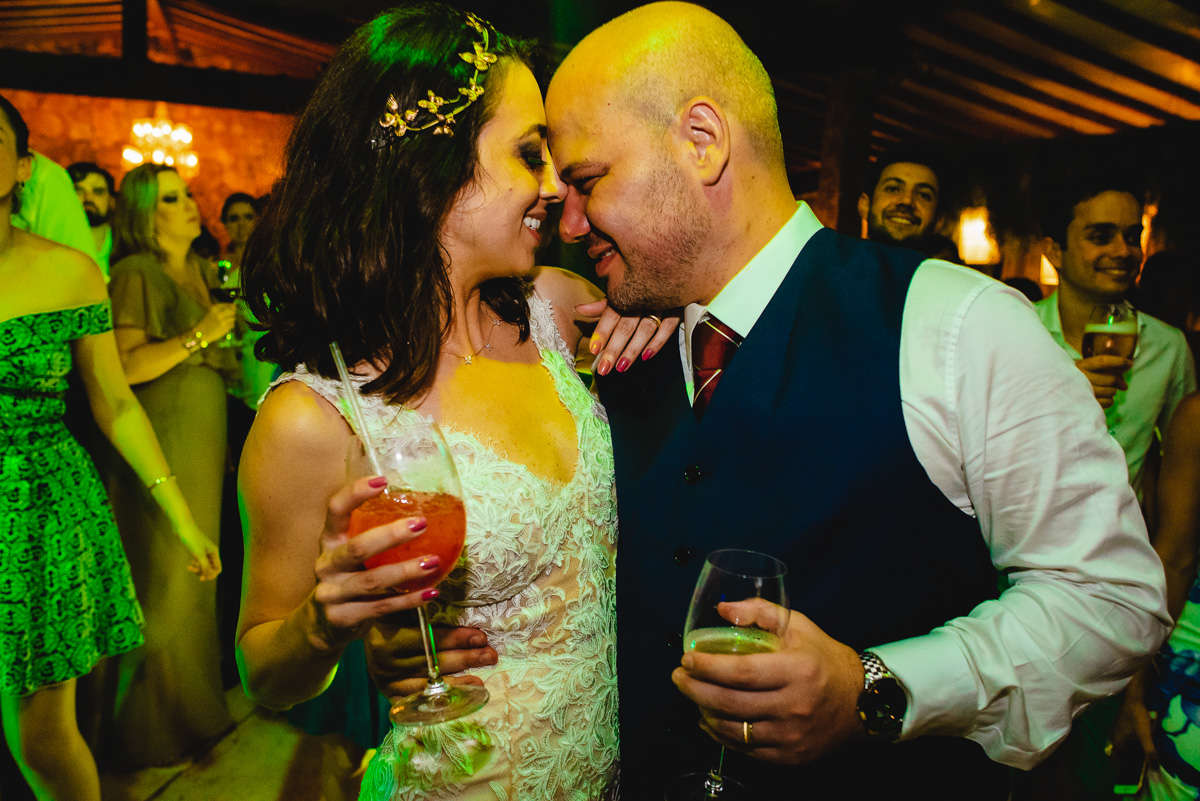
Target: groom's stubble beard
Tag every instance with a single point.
(660, 260)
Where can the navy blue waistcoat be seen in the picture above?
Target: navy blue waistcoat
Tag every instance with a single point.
(802, 454)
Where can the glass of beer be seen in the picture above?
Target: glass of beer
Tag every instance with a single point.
(730, 574)
(422, 481)
(1112, 329)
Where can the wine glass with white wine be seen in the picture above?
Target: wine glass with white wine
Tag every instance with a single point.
(730, 574)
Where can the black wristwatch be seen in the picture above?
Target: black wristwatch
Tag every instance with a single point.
(882, 703)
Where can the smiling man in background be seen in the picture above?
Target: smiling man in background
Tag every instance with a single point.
(902, 208)
(1093, 229)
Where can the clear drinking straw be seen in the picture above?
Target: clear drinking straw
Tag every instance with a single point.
(350, 396)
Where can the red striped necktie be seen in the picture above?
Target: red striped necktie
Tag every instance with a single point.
(713, 345)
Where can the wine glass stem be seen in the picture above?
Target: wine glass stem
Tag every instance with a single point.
(431, 661)
(714, 784)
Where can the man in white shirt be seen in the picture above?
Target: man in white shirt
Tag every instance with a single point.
(1094, 243)
(664, 127)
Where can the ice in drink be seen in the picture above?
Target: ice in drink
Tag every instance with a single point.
(1115, 339)
(443, 536)
(731, 640)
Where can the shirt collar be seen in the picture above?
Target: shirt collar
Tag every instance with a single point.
(742, 301)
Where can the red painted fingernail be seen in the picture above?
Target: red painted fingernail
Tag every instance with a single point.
(647, 354)
(622, 365)
(417, 524)
(429, 594)
(377, 482)
(429, 562)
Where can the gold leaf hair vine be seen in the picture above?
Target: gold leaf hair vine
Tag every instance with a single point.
(430, 113)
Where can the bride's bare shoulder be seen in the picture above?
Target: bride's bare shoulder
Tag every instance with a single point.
(294, 421)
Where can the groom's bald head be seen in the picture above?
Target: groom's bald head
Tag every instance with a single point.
(649, 62)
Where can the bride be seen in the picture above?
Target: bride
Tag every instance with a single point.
(414, 197)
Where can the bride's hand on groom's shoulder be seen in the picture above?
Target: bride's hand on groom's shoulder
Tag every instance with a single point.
(620, 341)
(396, 660)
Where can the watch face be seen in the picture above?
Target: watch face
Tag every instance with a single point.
(882, 706)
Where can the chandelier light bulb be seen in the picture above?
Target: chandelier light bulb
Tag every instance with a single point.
(161, 141)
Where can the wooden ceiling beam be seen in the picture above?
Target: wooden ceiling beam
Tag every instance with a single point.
(923, 115)
(979, 109)
(1169, 30)
(1163, 14)
(50, 29)
(1018, 97)
(906, 131)
(106, 77)
(1097, 65)
(267, 60)
(1032, 56)
(1115, 42)
(184, 17)
(1063, 88)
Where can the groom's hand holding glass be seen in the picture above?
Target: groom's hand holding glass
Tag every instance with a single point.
(800, 701)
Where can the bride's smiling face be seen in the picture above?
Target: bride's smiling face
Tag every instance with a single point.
(495, 224)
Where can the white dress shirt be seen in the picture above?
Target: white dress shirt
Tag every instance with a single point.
(1007, 428)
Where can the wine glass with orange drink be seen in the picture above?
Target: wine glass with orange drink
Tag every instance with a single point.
(422, 482)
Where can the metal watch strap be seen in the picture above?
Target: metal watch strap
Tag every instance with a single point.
(873, 668)
(882, 703)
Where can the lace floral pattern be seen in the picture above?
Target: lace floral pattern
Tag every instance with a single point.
(538, 575)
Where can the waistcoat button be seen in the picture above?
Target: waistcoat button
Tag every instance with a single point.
(692, 473)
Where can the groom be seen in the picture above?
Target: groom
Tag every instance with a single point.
(896, 430)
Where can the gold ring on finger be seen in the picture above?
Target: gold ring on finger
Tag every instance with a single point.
(655, 318)
(747, 731)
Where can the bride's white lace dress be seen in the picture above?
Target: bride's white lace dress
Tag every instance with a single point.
(537, 575)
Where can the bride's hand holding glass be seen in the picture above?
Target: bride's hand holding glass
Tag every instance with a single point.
(349, 596)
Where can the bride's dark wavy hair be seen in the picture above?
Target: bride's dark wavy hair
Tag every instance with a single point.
(348, 247)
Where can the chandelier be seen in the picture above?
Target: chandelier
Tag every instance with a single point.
(161, 141)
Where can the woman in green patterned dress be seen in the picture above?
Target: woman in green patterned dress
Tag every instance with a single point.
(66, 598)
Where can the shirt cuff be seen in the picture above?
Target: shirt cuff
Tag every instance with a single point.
(942, 693)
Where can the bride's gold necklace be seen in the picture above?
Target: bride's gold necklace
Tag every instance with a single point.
(468, 358)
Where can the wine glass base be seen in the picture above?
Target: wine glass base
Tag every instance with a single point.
(456, 701)
(700, 787)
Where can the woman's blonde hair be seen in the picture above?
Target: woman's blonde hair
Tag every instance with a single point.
(133, 223)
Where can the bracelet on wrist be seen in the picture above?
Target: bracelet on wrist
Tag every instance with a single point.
(195, 341)
(160, 480)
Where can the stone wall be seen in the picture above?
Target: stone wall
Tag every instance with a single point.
(239, 151)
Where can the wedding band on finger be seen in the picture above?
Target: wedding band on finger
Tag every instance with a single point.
(655, 318)
(747, 731)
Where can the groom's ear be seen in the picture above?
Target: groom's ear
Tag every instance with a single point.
(703, 130)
